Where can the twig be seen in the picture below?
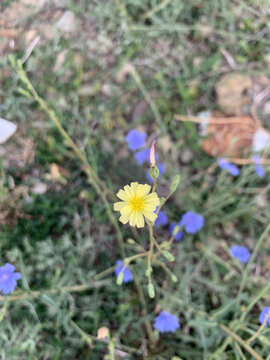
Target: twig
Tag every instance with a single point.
(219, 120)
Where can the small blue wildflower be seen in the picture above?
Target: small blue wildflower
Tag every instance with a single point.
(127, 273)
(258, 168)
(231, 168)
(264, 313)
(162, 219)
(161, 168)
(141, 156)
(240, 252)
(192, 222)
(166, 322)
(135, 139)
(8, 278)
(179, 235)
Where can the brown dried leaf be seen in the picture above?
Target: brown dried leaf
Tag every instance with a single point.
(234, 93)
(229, 139)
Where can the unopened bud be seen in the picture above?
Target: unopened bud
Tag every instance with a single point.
(168, 255)
(175, 183)
(154, 172)
(152, 154)
(119, 279)
(151, 291)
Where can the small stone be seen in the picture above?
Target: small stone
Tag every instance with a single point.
(39, 188)
(7, 129)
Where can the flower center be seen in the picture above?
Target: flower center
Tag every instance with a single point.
(137, 203)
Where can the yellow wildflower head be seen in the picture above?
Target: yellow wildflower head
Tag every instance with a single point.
(136, 204)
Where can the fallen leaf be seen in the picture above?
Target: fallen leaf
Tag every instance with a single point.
(232, 137)
(234, 93)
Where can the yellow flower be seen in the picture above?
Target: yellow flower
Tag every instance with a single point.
(136, 204)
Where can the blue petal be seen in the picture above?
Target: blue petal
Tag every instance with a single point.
(166, 322)
(142, 156)
(231, 168)
(135, 139)
(127, 275)
(260, 171)
(240, 252)
(263, 314)
(162, 219)
(192, 222)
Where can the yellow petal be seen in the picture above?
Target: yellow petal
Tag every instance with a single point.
(150, 215)
(134, 186)
(143, 190)
(133, 218)
(126, 210)
(128, 191)
(149, 207)
(122, 195)
(124, 219)
(140, 221)
(152, 199)
(119, 205)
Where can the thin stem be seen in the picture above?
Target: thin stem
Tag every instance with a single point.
(260, 329)
(255, 300)
(68, 289)
(254, 254)
(150, 252)
(92, 176)
(240, 341)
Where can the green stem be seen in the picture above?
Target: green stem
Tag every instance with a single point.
(253, 256)
(92, 176)
(255, 300)
(68, 289)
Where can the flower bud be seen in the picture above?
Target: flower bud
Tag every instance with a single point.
(119, 279)
(152, 154)
(151, 291)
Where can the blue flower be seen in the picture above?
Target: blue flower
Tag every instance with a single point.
(8, 278)
(162, 219)
(240, 252)
(258, 168)
(127, 273)
(135, 139)
(192, 222)
(141, 156)
(161, 168)
(179, 235)
(166, 322)
(231, 168)
(264, 313)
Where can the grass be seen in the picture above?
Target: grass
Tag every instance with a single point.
(62, 241)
